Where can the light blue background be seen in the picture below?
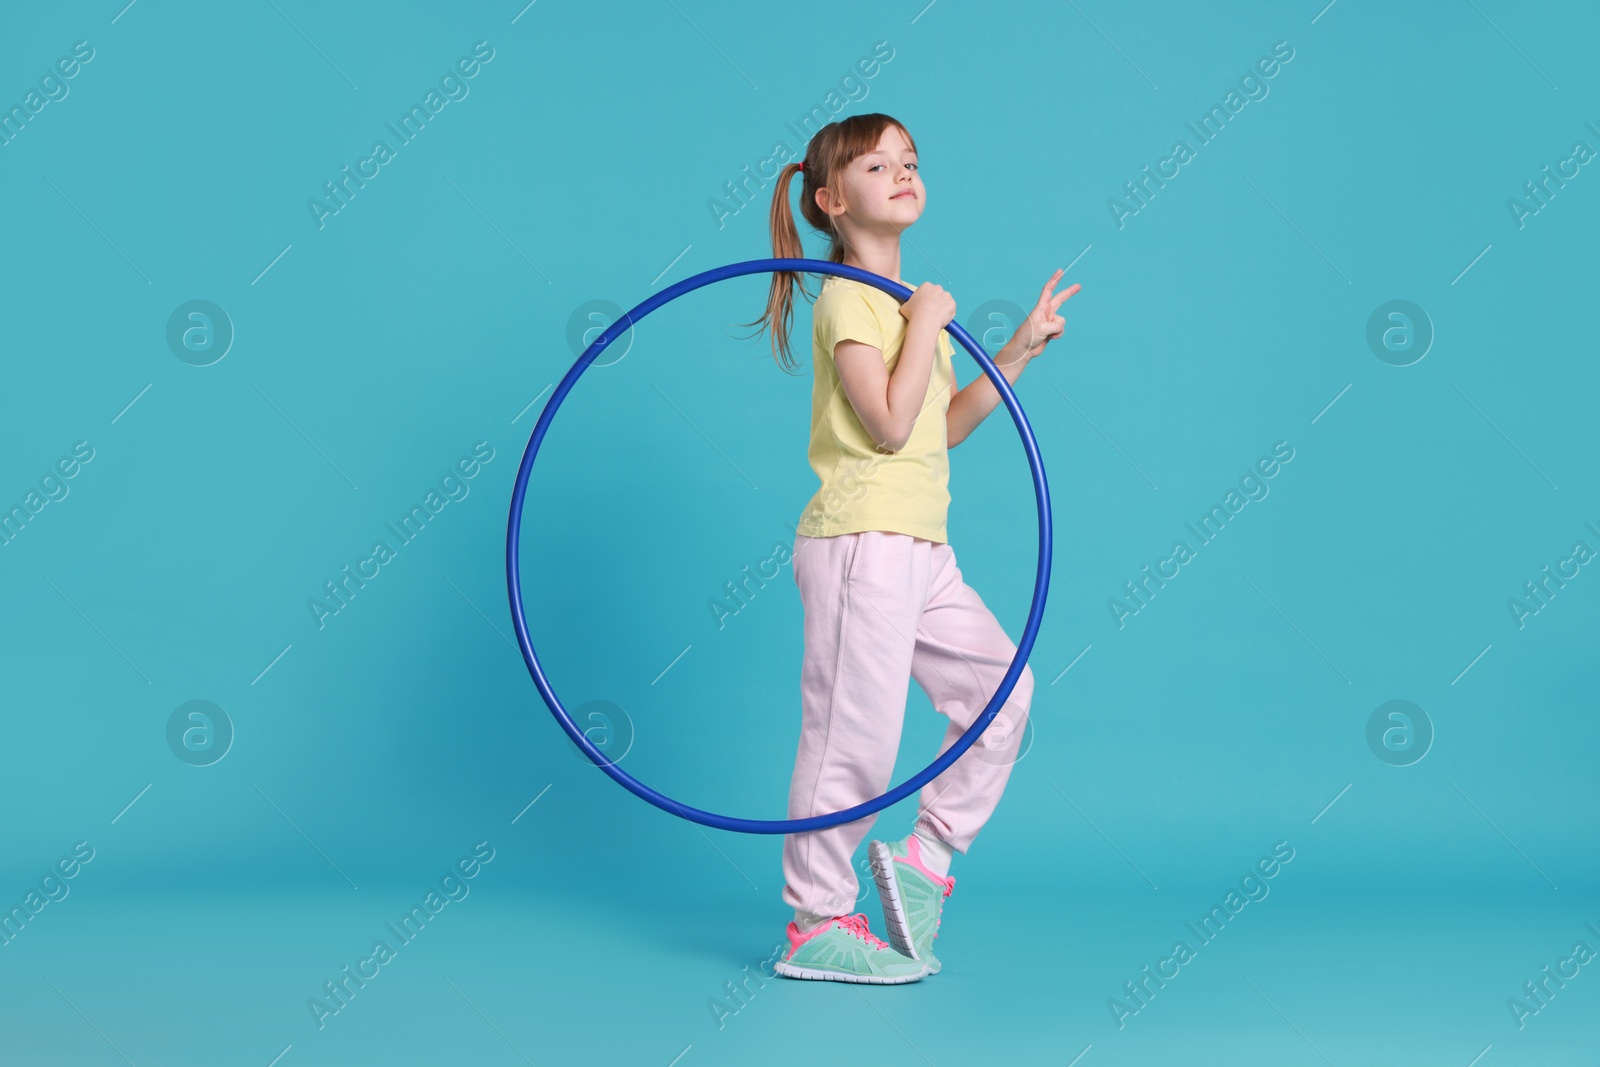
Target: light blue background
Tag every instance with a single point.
(433, 310)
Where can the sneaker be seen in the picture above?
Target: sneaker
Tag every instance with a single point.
(844, 950)
(913, 897)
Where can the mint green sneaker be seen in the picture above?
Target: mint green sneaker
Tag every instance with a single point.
(912, 895)
(844, 950)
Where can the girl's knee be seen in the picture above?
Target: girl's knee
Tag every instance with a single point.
(1021, 697)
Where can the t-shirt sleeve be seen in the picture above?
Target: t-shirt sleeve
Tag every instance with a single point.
(843, 314)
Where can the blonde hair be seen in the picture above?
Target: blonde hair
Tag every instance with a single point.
(833, 148)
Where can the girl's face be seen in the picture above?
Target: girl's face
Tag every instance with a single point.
(881, 190)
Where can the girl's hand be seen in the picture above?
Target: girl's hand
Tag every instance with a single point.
(931, 302)
(1043, 324)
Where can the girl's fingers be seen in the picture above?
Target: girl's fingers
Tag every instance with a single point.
(1061, 297)
(1044, 294)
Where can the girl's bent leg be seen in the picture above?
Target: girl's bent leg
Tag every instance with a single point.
(862, 594)
(962, 653)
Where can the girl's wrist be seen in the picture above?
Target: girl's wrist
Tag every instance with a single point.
(1013, 351)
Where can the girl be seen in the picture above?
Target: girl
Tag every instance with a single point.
(884, 600)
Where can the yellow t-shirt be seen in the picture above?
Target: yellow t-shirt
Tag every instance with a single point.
(862, 488)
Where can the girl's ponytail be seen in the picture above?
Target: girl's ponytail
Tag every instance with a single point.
(779, 315)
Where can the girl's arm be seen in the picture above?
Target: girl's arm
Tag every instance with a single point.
(888, 405)
(973, 403)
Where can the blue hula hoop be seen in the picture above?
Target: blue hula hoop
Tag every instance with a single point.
(514, 575)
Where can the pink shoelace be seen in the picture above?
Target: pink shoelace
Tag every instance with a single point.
(857, 924)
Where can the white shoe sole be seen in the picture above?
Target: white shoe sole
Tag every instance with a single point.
(894, 908)
(789, 970)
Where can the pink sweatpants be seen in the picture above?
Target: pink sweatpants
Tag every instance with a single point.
(882, 608)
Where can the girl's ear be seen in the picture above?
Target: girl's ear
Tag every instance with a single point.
(828, 202)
